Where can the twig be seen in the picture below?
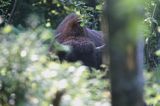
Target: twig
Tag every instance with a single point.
(154, 10)
(12, 12)
(58, 96)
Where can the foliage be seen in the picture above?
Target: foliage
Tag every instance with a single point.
(152, 85)
(61, 8)
(4, 3)
(29, 78)
(152, 94)
(4, 8)
(51, 10)
(152, 40)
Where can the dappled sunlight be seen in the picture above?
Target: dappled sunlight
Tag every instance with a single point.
(34, 57)
(38, 78)
(49, 74)
(48, 61)
(78, 73)
(23, 53)
(62, 84)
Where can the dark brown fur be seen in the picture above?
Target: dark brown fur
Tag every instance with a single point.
(84, 41)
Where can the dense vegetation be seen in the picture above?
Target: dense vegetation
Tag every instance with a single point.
(30, 76)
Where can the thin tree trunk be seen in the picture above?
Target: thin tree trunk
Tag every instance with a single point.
(126, 51)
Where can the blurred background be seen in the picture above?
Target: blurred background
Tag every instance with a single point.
(30, 76)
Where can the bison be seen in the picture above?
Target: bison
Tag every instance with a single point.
(86, 44)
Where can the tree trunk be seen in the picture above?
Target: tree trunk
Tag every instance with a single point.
(126, 51)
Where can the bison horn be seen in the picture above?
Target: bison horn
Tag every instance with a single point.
(100, 47)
